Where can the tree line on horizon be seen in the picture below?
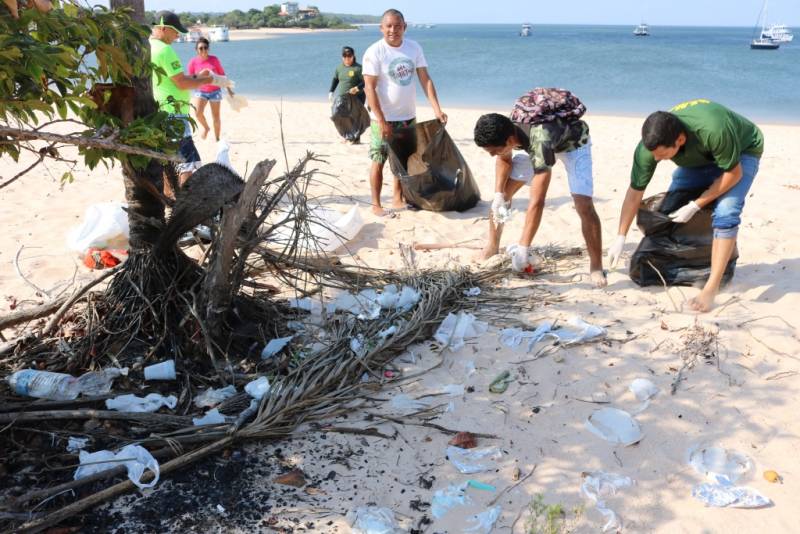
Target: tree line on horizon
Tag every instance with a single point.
(269, 17)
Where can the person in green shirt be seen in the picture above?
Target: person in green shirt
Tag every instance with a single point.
(714, 148)
(171, 92)
(347, 77)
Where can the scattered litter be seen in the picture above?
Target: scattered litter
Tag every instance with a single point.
(131, 403)
(104, 226)
(373, 520)
(135, 457)
(212, 417)
(404, 405)
(324, 230)
(456, 328)
(453, 390)
(211, 397)
(483, 522)
(74, 444)
(295, 478)
(721, 495)
(61, 386)
(368, 303)
(574, 331)
(469, 369)
(275, 346)
(469, 461)
(223, 154)
(472, 292)
(313, 306)
(480, 485)
(596, 486)
(258, 388)
(513, 337)
(463, 440)
(446, 499)
(644, 390)
(723, 467)
(614, 425)
(501, 382)
(386, 332)
(357, 345)
(579, 331)
(221, 509)
(772, 476)
(160, 371)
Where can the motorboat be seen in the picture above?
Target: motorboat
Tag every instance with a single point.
(642, 30)
(780, 33)
(526, 30)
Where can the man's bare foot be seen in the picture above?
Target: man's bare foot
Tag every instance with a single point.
(399, 203)
(205, 133)
(379, 211)
(598, 279)
(488, 252)
(702, 302)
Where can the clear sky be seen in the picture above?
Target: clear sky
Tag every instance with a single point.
(654, 12)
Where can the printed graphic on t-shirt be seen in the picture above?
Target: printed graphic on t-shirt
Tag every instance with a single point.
(176, 65)
(401, 71)
(351, 73)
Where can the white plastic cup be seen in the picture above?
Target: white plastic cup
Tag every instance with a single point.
(160, 371)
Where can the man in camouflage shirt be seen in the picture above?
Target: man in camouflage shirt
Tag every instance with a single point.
(539, 147)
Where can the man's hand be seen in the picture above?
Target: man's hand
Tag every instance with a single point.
(386, 130)
(615, 251)
(520, 257)
(222, 81)
(442, 116)
(685, 213)
(353, 90)
(498, 202)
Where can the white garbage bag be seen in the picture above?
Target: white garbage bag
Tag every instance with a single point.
(104, 226)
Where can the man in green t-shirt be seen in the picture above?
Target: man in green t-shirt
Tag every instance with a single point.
(714, 148)
(171, 91)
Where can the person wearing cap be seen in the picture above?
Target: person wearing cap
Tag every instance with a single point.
(207, 94)
(390, 66)
(715, 149)
(347, 78)
(171, 92)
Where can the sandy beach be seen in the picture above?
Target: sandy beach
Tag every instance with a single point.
(745, 399)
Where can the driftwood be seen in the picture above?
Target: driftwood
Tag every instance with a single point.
(166, 419)
(30, 314)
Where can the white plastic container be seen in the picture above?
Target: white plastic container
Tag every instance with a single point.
(160, 371)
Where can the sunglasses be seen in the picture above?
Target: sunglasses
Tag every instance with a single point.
(202, 48)
(347, 55)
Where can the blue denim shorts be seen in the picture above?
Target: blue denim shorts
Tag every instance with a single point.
(213, 96)
(727, 207)
(186, 147)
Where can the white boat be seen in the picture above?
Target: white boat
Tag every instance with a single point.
(761, 42)
(642, 30)
(780, 33)
(527, 30)
(218, 34)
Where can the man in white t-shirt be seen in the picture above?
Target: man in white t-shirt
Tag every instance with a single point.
(389, 67)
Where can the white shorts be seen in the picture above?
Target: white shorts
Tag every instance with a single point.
(577, 162)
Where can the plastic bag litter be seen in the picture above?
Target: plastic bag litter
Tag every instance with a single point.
(223, 154)
(721, 495)
(135, 457)
(456, 328)
(596, 486)
(211, 417)
(373, 520)
(349, 116)
(681, 252)
(327, 230)
(386, 332)
(433, 174)
(75, 444)
(484, 521)
(446, 499)
(150, 403)
(403, 404)
(275, 346)
(211, 397)
(472, 292)
(103, 226)
(719, 465)
(513, 337)
(579, 331)
(258, 387)
(614, 425)
(644, 390)
(368, 303)
(470, 461)
(236, 102)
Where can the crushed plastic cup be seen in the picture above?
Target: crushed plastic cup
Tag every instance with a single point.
(160, 371)
(131, 403)
(134, 457)
(211, 417)
(477, 460)
(614, 425)
(258, 387)
(598, 485)
(211, 397)
(373, 520)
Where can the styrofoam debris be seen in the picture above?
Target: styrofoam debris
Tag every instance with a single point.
(457, 328)
(644, 390)
(614, 425)
(211, 397)
(131, 403)
(275, 346)
(598, 485)
(258, 387)
(135, 457)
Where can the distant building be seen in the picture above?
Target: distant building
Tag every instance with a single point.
(307, 13)
(289, 9)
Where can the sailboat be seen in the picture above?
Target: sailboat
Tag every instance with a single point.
(762, 42)
(642, 30)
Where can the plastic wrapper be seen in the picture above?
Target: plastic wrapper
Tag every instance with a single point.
(211, 417)
(446, 499)
(211, 397)
(150, 403)
(483, 523)
(681, 252)
(373, 520)
(275, 346)
(721, 495)
(470, 461)
(135, 458)
(598, 485)
(349, 116)
(433, 174)
(455, 329)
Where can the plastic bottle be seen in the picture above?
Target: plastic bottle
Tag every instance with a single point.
(60, 386)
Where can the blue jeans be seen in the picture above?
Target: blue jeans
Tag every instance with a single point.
(728, 206)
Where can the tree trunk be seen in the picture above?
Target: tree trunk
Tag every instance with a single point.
(142, 203)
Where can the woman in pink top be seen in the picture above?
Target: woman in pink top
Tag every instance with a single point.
(202, 64)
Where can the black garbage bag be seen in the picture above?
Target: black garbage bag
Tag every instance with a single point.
(433, 174)
(680, 252)
(349, 116)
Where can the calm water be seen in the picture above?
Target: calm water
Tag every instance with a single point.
(490, 65)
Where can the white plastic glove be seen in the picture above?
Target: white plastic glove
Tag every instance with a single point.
(498, 202)
(519, 257)
(685, 213)
(222, 81)
(615, 251)
(330, 97)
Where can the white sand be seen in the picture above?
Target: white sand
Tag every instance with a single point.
(747, 412)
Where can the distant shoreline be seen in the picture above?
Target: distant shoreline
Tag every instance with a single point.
(251, 34)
